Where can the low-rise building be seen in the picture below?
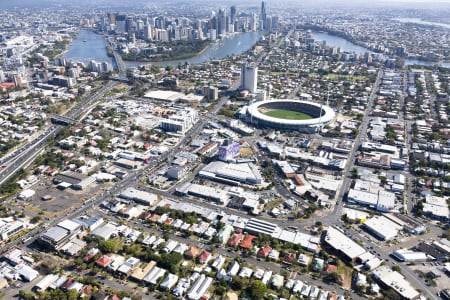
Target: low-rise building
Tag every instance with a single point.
(341, 243)
(382, 228)
(392, 279)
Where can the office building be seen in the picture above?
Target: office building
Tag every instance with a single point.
(249, 77)
(263, 16)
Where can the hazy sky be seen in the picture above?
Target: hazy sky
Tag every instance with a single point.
(301, 3)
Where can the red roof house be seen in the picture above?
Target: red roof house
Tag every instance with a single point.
(204, 257)
(191, 252)
(155, 218)
(236, 239)
(289, 258)
(263, 252)
(103, 261)
(247, 243)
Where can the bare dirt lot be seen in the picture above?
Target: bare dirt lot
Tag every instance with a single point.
(60, 201)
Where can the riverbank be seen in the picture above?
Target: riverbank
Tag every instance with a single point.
(178, 50)
(339, 39)
(231, 45)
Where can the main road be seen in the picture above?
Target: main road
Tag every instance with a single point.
(351, 159)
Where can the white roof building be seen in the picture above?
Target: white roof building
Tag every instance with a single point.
(266, 277)
(342, 243)
(106, 231)
(218, 262)
(233, 269)
(169, 282)
(141, 197)
(244, 173)
(245, 272)
(117, 261)
(199, 288)
(153, 276)
(27, 273)
(170, 246)
(409, 255)
(382, 228)
(46, 282)
(396, 281)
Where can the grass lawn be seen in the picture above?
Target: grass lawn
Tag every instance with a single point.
(347, 272)
(274, 203)
(287, 114)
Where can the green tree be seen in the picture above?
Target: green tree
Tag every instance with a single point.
(26, 295)
(170, 261)
(355, 174)
(110, 246)
(257, 289)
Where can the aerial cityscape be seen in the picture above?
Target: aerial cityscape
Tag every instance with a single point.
(224, 150)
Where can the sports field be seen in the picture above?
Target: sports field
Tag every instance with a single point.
(286, 114)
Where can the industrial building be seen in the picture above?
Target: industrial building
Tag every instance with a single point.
(139, 196)
(382, 228)
(380, 200)
(392, 279)
(231, 173)
(257, 226)
(57, 236)
(409, 255)
(77, 181)
(205, 192)
(341, 243)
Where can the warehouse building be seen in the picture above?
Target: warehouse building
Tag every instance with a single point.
(57, 236)
(246, 173)
(409, 255)
(382, 228)
(394, 280)
(340, 242)
(138, 196)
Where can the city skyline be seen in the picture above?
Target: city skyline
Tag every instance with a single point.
(424, 4)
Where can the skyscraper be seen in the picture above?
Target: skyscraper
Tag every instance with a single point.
(222, 21)
(263, 15)
(233, 14)
(120, 23)
(249, 77)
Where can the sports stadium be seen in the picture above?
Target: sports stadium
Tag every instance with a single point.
(288, 114)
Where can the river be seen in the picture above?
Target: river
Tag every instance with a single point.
(345, 45)
(232, 45)
(335, 41)
(421, 22)
(87, 46)
(91, 46)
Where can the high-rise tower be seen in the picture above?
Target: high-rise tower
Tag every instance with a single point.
(249, 77)
(263, 15)
(233, 14)
(222, 21)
